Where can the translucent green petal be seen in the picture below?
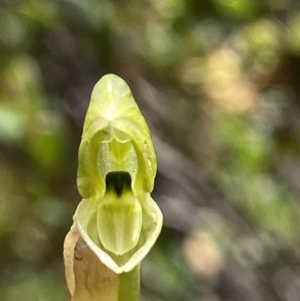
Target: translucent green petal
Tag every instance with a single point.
(113, 112)
(119, 223)
(151, 227)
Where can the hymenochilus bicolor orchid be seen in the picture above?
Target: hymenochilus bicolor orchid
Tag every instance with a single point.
(117, 222)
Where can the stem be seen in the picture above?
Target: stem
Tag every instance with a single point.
(129, 285)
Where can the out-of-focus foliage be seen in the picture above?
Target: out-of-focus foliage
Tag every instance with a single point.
(218, 82)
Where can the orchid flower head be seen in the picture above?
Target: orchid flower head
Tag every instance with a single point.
(117, 218)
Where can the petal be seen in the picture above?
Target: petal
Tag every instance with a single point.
(141, 140)
(152, 225)
(85, 221)
(119, 221)
(89, 181)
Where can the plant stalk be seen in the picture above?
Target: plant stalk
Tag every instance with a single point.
(129, 285)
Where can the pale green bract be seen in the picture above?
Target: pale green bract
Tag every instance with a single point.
(117, 217)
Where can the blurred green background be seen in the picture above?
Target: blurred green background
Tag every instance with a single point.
(219, 84)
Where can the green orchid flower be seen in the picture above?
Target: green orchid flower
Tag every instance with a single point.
(117, 218)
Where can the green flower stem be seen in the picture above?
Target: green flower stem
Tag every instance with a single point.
(129, 285)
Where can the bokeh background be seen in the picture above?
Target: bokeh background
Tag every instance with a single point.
(219, 84)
